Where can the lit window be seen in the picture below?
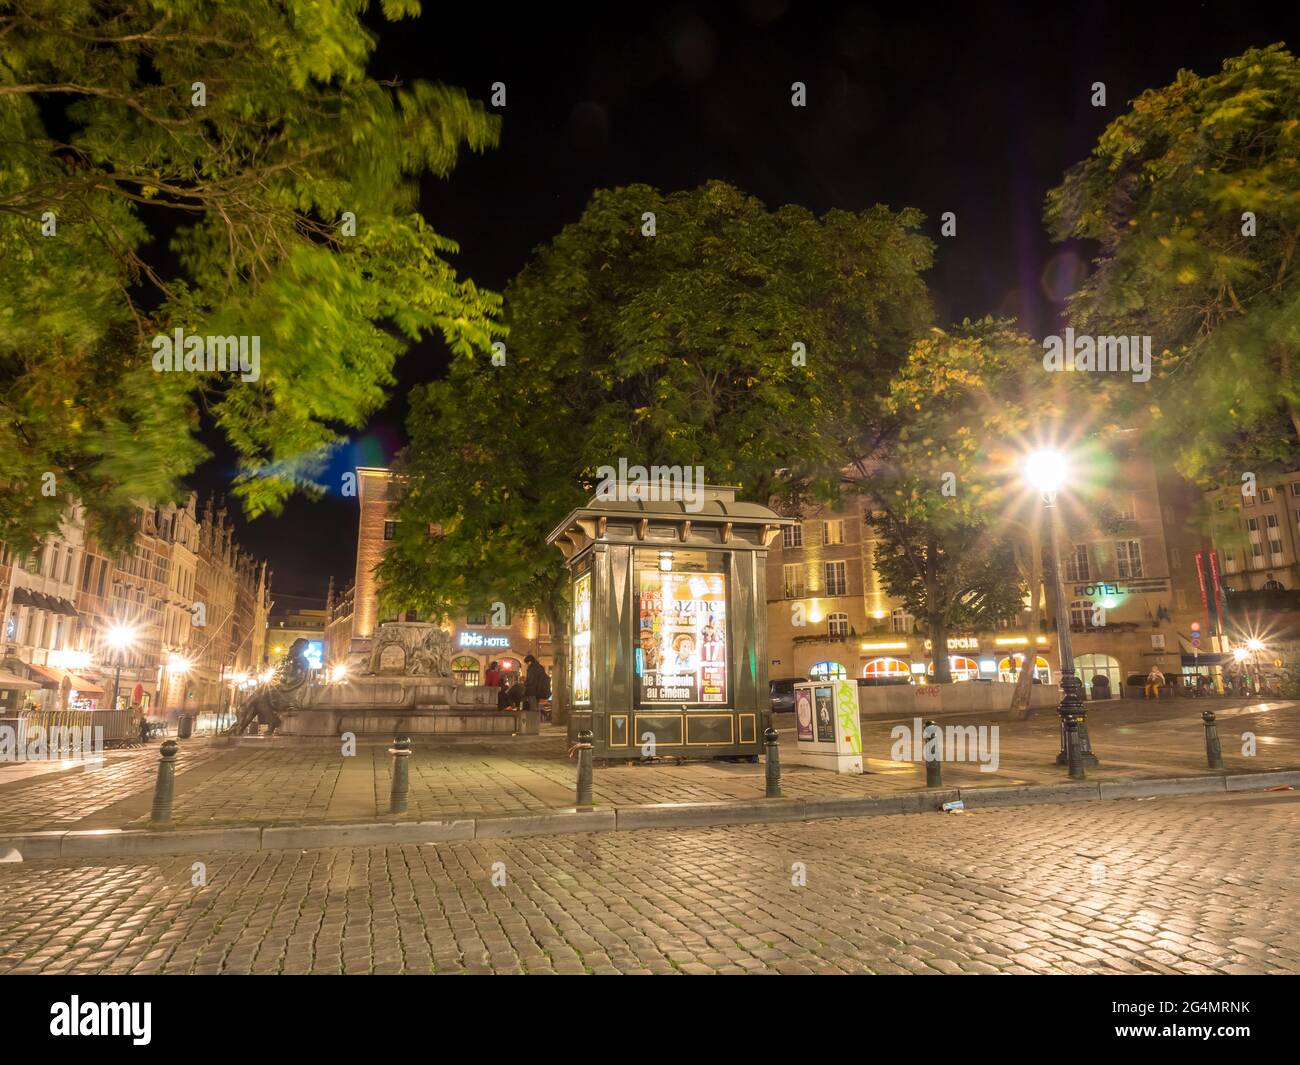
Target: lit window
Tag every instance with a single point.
(1081, 614)
(901, 621)
(792, 577)
(827, 671)
(836, 578)
(1128, 557)
(832, 532)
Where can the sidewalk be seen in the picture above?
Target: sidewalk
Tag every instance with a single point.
(220, 786)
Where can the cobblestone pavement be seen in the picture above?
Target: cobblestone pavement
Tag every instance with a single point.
(217, 785)
(1185, 885)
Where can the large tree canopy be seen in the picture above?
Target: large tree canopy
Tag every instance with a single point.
(672, 348)
(1194, 196)
(942, 484)
(226, 168)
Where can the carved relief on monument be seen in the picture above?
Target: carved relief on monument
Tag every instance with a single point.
(411, 648)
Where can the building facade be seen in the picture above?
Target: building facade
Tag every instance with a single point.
(165, 623)
(1128, 572)
(351, 615)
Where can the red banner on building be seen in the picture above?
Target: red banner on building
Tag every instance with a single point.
(1205, 599)
(1220, 603)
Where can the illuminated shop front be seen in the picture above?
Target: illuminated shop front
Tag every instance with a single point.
(886, 669)
(1009, 668)
(667, 630)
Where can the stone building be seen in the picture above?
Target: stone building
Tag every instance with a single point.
(353, 613)
(193, 604)
(1129, 578)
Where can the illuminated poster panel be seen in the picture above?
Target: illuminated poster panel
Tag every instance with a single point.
(681, 654)
(582, 640)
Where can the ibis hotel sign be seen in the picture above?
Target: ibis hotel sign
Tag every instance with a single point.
(1130, 586)
(469, 638)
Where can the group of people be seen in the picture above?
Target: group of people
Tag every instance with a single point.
(528, 695)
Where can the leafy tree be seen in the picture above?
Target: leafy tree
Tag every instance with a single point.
(949, 574)
(672, 348)
(1194, 197)
(959, 545)
(199, 165)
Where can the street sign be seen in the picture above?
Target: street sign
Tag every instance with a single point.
(1196, 637)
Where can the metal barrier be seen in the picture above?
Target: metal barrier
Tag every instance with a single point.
(119, 726)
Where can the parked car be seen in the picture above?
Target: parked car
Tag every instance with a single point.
(782, 693)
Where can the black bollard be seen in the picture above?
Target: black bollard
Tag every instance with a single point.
(583, 747)
(1073, 747)
(401, 789)
(163, 789)
(773, 769)
(1213, 751)
(933, 766)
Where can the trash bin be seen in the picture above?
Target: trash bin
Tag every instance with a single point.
(184, 726)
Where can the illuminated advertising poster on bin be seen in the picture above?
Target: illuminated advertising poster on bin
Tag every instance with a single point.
(582, 640)
(681, 654)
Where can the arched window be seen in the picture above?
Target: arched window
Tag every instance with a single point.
(827, 671)
(961, 668)
(837, 624)
(883, 668)
(1089, 667)
(900, 620)
(465, 669)
(1080, 613)
(1009, 669)
(511, 665)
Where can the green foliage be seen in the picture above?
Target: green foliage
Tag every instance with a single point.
(942, 487)
(667, 349)
(221, 219)
(1164, 193)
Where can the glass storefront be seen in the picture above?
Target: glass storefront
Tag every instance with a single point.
(681, 648)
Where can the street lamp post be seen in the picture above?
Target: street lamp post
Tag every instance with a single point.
(119, 637)
(1046, 471)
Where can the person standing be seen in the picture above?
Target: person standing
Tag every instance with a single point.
(537, 685)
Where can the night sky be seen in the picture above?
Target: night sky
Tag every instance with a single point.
(978, 110)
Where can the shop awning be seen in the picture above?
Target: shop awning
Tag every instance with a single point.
(29, 597)
(1210, 658)
(52, 677)
(16, 683)
(85, 686)
(48, 676)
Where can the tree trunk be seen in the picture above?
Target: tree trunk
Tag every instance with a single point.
(937, 621)
(559, 666)
(1032, 570)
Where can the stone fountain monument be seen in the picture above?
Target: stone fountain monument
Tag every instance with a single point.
(402, 686)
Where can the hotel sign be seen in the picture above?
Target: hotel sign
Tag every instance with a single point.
(477, 639)
(1134, 586)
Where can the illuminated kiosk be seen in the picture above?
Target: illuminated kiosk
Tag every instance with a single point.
(668, 626)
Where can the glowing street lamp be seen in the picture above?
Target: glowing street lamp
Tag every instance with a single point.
(119, 637)
(1047, 471)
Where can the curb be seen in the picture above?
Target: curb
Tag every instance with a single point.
(114, 842)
